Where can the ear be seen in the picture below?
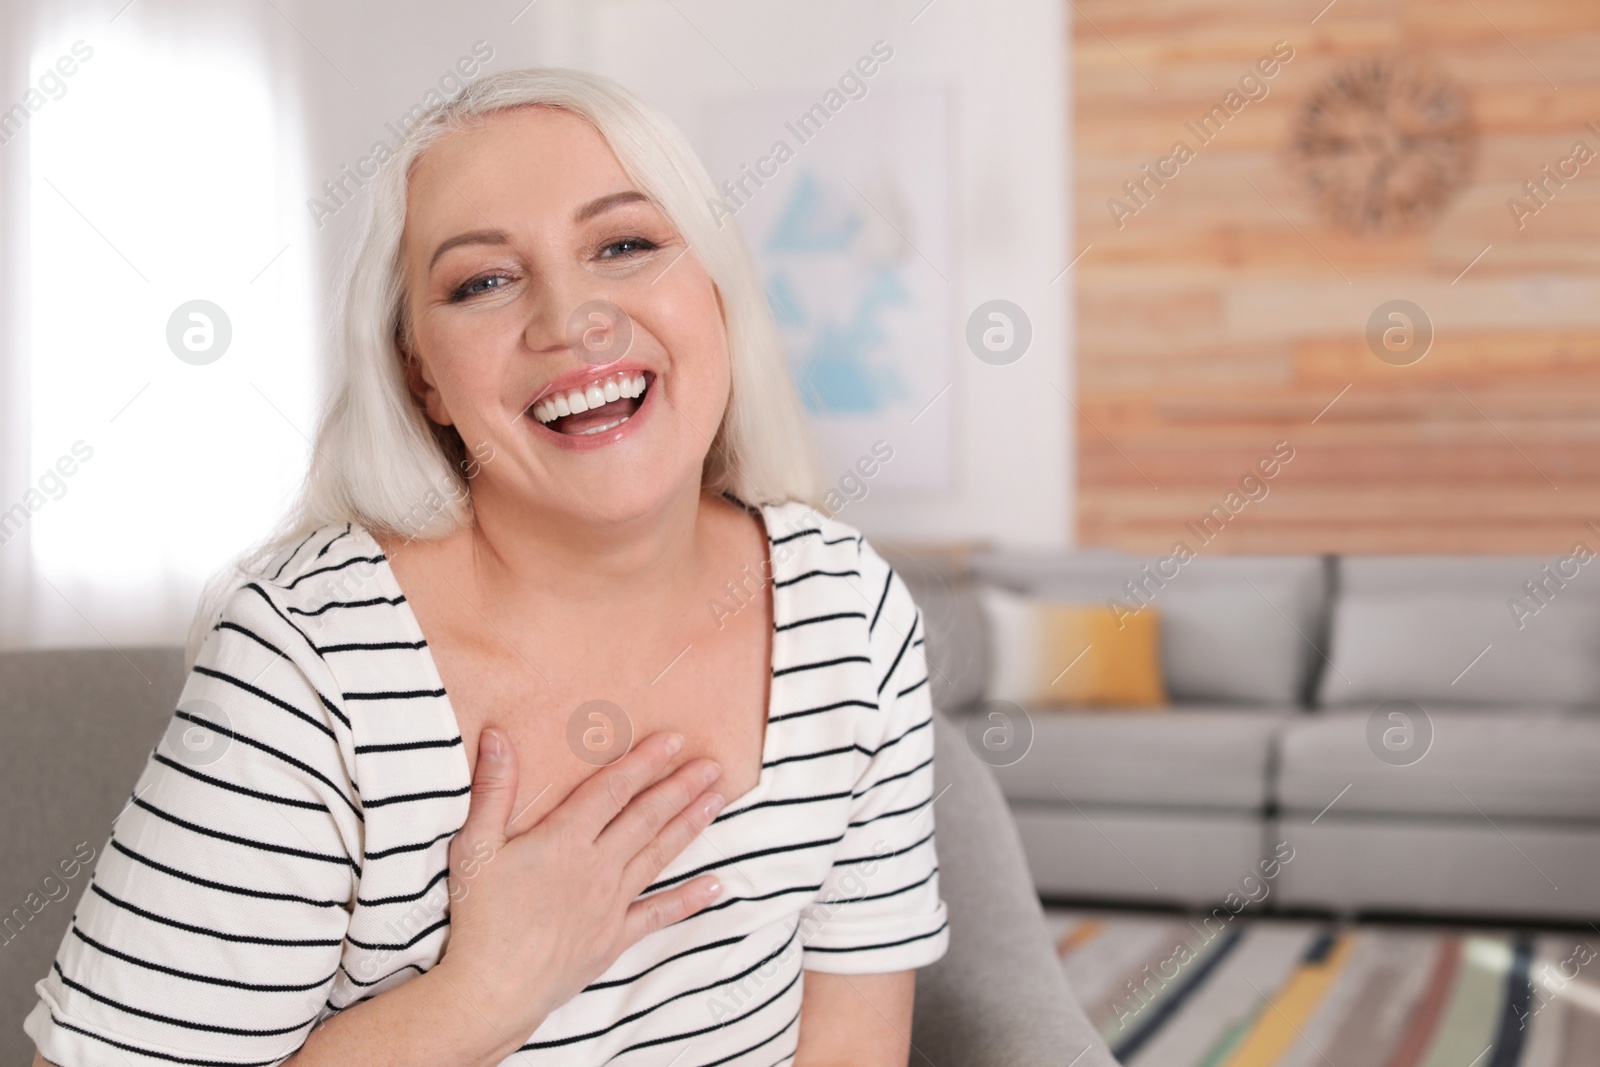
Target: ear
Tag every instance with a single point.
(419, 379)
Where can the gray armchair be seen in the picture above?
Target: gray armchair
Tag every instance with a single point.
(77, 726)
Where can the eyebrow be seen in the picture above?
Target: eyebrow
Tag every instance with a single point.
(476, 237)
(607, 202)
(498, 237)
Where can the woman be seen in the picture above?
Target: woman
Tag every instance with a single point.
(558, 727)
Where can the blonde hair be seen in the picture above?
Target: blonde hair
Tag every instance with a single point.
(379, 462)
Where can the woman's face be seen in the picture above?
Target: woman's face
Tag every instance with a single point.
(529, 257)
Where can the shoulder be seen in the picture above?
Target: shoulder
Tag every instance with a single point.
(812, 549)
(291, 604)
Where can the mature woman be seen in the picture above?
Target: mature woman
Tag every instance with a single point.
(559, 728)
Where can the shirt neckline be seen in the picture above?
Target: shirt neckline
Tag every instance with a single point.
(776, 645)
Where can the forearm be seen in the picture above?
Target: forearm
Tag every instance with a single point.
(437, 1019)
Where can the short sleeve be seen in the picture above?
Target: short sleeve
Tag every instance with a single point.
(212, 927)
(879, 907)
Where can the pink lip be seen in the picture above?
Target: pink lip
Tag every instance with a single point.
(590, 442)
(579, 378)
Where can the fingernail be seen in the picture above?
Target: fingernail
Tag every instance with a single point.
(713, 804)
(711, 772)
(493, 748)
(674, 742)
(714, 889)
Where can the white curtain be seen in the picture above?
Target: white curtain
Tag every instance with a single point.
(157, 162)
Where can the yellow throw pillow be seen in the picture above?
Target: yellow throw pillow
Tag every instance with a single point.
(1045, 652)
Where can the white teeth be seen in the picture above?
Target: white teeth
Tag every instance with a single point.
(602, 429)
(593, 395)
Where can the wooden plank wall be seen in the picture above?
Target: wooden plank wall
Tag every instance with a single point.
(1228, 313)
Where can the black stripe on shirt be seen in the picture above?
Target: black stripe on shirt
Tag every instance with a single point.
(642, 1012)
(231, 983)
(887, 582)
(883, 944)
(894, 777)
(308, 805)
(220, 935)
(261, 846)
(335, 540)
(775, 850)
(408, 746)
(222, 887)
(372, 646)
(874, 857)
(418, 847)
(899, 655)
(57, 1020)
(407, 798)
(821, 618)
(257, 691)
(816, 574)
(781, 671)
(908, 690)
(785, 539)
(253, 743)
(379, 558)
(405, 898)
(822, 708)
(330, 605)
(293, 554)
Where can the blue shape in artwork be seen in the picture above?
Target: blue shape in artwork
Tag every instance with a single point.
(808, 223)
(785, 301)
(838, 375)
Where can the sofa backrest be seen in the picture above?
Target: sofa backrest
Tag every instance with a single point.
(1236, 629)
(1473, 630)
(76, 727)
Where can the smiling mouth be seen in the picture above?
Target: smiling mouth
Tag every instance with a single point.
(599, 405)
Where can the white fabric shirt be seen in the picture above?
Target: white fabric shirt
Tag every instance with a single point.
(288, 858)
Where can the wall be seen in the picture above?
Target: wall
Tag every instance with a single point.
(1227, 313)
(1014, 472)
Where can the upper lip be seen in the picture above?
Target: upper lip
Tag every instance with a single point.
(581, 377)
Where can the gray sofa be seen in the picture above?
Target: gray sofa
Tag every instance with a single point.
(1482, 800)
(78, 726)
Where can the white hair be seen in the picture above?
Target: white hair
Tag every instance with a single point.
(379, 462)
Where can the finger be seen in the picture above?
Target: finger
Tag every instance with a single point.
(638, 823)
(674, 837)
(603, 795)
(669, 906)
(494, 789)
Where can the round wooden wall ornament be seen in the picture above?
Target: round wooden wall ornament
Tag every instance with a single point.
(1384, 144)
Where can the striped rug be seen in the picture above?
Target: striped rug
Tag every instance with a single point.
(1166, 991)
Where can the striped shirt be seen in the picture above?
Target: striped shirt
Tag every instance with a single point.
(284, 853)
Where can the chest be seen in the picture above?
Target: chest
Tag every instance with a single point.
(572, 706)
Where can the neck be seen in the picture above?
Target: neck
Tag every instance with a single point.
(528, 556)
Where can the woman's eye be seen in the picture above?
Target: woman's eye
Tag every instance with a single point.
(626, 246)
(475, 286)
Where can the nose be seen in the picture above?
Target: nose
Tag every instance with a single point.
(569, 311)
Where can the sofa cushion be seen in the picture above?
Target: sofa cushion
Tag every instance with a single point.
(79, 726)
(1448, 630)
(1200, 757)
(1514, 762)
(1234, 629)
(1071, 655)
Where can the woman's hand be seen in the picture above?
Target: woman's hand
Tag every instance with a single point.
(538, 916)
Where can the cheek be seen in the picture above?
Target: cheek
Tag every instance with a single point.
(468, 357)
(687, 322)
